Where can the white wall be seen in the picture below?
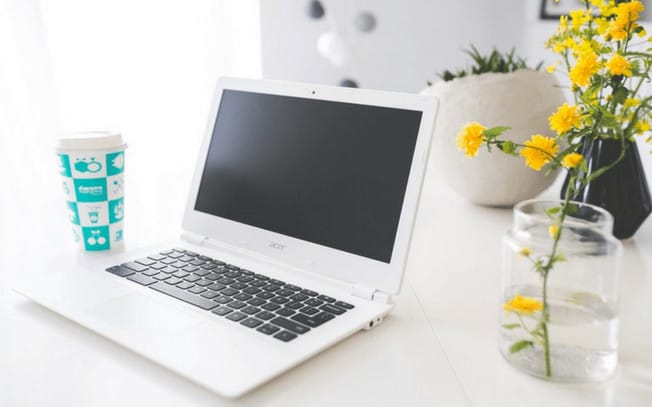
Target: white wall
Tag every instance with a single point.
(413, 39)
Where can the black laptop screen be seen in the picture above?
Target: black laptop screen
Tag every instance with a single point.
(330, 173)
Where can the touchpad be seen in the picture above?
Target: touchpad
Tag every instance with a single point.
(142, 317)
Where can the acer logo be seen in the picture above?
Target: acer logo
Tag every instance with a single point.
(277, 246)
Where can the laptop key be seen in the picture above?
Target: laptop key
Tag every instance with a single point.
(237, 304)
(213, 276)
(258, 283)
(161, 276)
(285, 292)
(277, 282)
(209, 294)
(251, 310)
(251, 290)
(261, 277)
(145, 261)
(134, 266)
(197, 290)
(168, 261)
(178, 249)
(313, 321)
(193, 254)
(343, 304)
(246, 272)
(222, 299)
(190, 268)
(242, 297)
(333, 309)
(141, 279)
(245, 279)
(285, 312)
(192, 278)
(279, 300)
(166, 252)
(158, 266)
(294, 305)
(271, 287)
(326, 298)
(292, 287)
(226, 280)
(239, 286)
(205, 258)
(233, 274)
(236, 316)
(208, 266)
(222, 310)
(180, 274)
(285, 336)
(229, 291)
(204, 283)
(157, 257)
(251, 322)
(186, 259)
(173, 280)
(265, 315)
(216, 287)
(271, 306)
(233, 267)
(169, 270)
(299, 297)
(183, 295)
(290, 325)
(175, 255)
(120, 271)
(150, 272)
(256, 301)
(197, 262)
(309, 292)
(184, 285)
(309, 310)
(313, 302)
(202, 273)
(268, 329)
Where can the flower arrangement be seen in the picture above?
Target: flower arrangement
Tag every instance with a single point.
(602, 49)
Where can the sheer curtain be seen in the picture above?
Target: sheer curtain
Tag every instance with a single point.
(144, 67)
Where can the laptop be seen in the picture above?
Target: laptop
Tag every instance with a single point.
(295, 236)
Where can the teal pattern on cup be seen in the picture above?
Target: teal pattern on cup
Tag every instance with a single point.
(92, 171)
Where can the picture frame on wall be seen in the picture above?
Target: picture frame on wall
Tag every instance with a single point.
(553, 9)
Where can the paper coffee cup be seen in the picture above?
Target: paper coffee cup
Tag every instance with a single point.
(91, 165)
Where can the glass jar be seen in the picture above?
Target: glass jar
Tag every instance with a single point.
(562, 324)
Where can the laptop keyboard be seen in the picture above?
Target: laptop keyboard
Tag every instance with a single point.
(256, 301)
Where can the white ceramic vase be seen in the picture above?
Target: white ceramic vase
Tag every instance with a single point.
(522, 100)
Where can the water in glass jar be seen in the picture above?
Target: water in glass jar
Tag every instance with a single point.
(582, 332)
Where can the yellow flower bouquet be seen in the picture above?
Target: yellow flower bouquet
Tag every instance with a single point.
(602, 49)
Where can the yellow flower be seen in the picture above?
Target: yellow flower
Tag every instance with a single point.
(615, 31)
(572, 160)
(586, 65)
(602, 25)
(523, 305)
(525, 251)
(470, 138)
(552, 67)
(631, 102)
(563, 23)
(554, 231)
(627, 13)
(579, 18)
(642, 126)
(619, 65)
(538, 151)
(565, 118)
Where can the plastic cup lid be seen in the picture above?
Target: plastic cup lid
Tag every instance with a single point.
(90, 140)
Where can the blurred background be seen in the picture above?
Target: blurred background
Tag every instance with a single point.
(148, 68)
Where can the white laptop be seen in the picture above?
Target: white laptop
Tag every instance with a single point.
(295, 236)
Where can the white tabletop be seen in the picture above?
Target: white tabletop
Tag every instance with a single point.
(439, 347)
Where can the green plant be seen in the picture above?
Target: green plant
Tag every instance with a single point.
(496, 61)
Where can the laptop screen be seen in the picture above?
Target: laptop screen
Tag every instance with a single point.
(330, 173)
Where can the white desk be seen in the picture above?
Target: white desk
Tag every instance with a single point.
(438, 348)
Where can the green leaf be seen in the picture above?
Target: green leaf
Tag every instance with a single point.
(520, 345)
(511, 326)
(552, 211)
(507, 147)
(495, 131)
(620, 95)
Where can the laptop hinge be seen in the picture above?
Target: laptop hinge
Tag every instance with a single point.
(193, 238)
(371, 294)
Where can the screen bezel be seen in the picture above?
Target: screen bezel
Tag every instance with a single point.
(308, 256)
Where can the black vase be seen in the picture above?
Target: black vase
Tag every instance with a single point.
(622, 190)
